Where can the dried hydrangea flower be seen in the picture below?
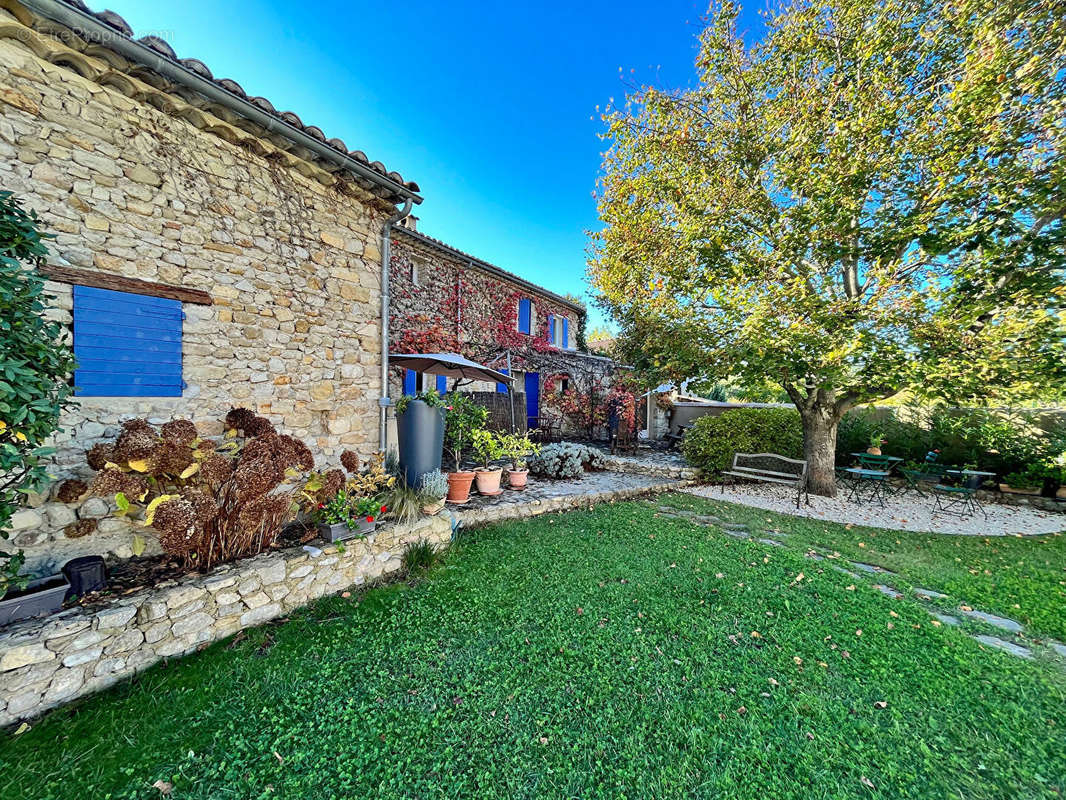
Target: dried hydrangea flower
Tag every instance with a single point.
(171, 457)
(298, 454)
(332, 482)
(175, 520)
(99, 454)
(136, 443)
(70, 490)
(239, 418)
(254, 478)
(258, 427)
(216, 470)
(350, 461)
(112, 481)
(179, 430)
(205, 509)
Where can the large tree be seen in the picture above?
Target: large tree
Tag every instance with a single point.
(866, 199)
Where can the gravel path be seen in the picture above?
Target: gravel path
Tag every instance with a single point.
(908, 513)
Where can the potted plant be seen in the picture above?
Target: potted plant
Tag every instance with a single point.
(464, 416)
(432, 490)
(419, 434)
(342, 517)
(22, 598)
(487, 445)
(876, 440)
(517, 447)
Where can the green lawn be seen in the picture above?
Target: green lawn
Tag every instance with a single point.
(604, 653)
(1020, 578)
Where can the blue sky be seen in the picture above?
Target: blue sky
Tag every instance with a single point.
(490, 107)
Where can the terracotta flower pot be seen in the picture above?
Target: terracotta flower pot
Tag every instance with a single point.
(459, 486)
(488, 481)
(433, 508)
(874, 451)
(517, 478)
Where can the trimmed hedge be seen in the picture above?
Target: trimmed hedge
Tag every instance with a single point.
(712, 441)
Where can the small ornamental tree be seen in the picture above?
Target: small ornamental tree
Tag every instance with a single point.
(35, 362)
(868, 199)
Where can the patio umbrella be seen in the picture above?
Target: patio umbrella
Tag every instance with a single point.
(453, 365)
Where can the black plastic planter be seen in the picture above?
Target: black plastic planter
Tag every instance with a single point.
(420, 435)
(85, 574)
(42, 596)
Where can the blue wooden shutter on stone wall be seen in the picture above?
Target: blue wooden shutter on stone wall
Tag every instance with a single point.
(410, 381)
(126, 345)
(502, 387)
(551, 329)
(525, 315)
(566, 333)
(442, 384)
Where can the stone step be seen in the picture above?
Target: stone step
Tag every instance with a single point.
(999, 622)
(1002, 644)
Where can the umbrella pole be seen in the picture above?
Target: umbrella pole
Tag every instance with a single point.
(510, 389)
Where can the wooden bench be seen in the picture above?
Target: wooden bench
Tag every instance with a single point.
(770, 468)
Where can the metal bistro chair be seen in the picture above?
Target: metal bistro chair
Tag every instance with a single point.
(929, 474)
(960, 500)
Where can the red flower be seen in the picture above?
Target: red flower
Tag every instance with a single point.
(384, 509)
(369, 517)
(321, 505)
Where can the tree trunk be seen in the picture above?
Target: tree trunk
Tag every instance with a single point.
(819, 448)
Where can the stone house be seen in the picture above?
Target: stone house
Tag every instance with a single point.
(209, 250)
(445, 300)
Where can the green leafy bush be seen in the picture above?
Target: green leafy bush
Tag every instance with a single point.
(1003, 442)
(463, 417)
(35, 363)
(712, 442)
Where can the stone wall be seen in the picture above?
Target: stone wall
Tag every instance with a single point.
(130, 186)
(50, 661)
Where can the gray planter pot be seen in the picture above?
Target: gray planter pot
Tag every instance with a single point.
(42, 596)
(420, 439)
(340, 531)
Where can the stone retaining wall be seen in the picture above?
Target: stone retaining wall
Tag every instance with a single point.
(50, 661)
(655, 465)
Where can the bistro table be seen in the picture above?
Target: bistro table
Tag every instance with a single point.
(872, 482)
(889, 460)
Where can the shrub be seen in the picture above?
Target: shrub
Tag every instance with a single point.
(209, 501)
(34, 365)
(566, 460)
(712, 442)
(463, 418)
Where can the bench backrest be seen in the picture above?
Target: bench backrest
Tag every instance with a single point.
(771, 462)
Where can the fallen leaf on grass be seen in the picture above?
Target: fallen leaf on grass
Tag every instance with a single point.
(277, 755)
(21, 729)
(164, 787)
(867, 783)
(881, 704)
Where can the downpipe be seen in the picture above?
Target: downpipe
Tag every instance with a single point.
(386, 263)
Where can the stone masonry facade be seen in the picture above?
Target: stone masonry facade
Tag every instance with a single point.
(135, 181)
(47, 662)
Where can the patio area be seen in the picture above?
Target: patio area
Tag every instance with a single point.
(908, 512)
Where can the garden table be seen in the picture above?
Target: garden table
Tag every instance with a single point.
(872, 482)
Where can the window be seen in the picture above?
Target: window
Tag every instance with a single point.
(559, 331)
(126, 345)
(525, 315)
(414, 273)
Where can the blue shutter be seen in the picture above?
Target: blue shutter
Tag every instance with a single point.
(126, 345)
(410, 382)
(502, 387)
(566, 333)
(442, 384)
(525, 315)
(551, 329)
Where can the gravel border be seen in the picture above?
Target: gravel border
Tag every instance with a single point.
(907, 513)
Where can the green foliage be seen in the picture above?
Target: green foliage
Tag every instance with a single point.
(487, 445)
(865, 199)
(35, 364)
(1003, 442)
(336, 511)
(712, 442)
(517, 447)
(611, 630)
(431, 397)
(463, 417)
(562, 460)
(419, 556)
